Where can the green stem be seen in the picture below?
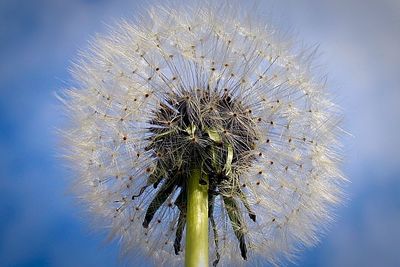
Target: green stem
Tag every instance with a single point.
(196, 254)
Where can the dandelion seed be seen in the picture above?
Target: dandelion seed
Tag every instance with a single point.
(211, 88)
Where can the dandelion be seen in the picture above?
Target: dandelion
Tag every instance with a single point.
(201, 131)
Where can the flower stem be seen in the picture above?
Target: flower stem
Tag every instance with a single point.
(196, 254)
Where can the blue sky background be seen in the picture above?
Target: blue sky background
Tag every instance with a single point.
(41, 226)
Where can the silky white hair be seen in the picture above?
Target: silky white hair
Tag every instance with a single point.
(293, 180)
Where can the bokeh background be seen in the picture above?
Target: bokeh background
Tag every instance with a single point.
(41, 226)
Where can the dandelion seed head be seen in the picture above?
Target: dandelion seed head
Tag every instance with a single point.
(211, 87)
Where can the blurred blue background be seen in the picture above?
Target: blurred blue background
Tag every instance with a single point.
(41, 226)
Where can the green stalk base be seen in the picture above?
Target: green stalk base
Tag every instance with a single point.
(196, 254)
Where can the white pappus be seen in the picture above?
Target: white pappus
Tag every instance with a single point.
(215, 87)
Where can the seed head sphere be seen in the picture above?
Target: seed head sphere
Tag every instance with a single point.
(208, 86)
